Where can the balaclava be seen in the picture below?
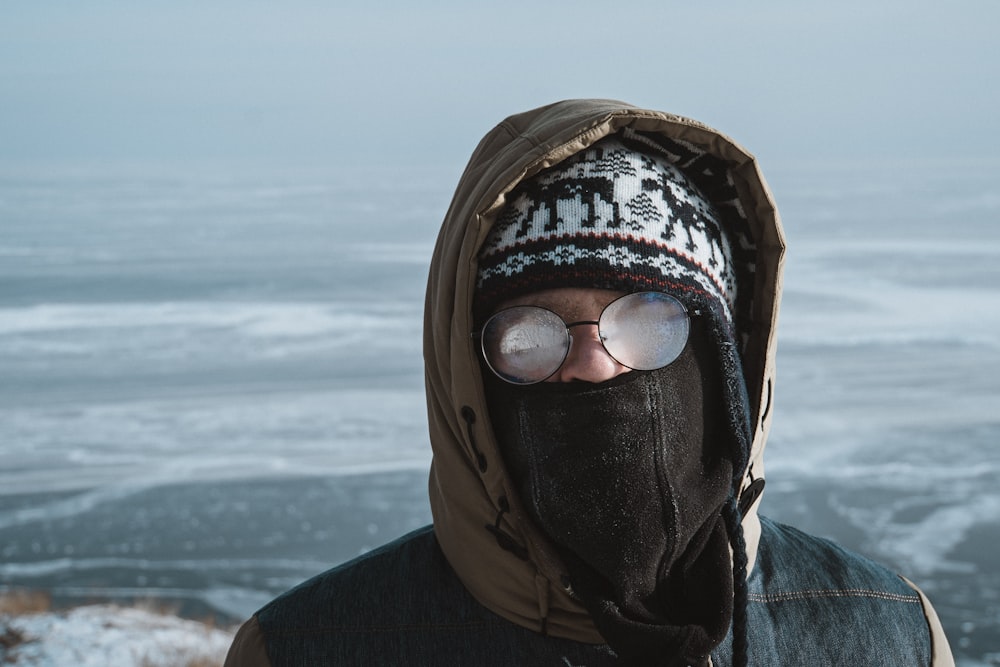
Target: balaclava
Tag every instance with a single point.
(633, 480)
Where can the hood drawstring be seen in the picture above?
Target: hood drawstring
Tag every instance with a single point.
(734, 526)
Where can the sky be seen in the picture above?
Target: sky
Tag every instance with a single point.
(309, 82)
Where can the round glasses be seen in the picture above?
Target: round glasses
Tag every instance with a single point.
(643, 331)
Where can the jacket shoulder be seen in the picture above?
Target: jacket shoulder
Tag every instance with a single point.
(248, 649)
(399, 605)
(791, 557)
(366, 590)
(823, 602)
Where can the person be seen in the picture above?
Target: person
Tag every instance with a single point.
(599, 345)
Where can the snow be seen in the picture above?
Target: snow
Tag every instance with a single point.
(102, 635)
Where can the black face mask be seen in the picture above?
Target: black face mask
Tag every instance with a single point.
(628, 479)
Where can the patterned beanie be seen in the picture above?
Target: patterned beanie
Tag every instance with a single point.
(615, 216)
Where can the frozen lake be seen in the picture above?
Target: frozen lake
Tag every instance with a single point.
(211, 383)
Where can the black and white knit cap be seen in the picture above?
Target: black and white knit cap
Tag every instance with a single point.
(611, 217)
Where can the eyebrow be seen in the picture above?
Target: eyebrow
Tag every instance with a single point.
(565, 308)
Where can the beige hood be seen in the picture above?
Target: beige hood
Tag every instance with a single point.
(472, 500)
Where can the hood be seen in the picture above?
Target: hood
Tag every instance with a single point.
(504, 561)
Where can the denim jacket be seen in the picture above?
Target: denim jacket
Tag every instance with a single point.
(811, 603)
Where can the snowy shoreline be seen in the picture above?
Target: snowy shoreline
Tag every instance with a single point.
(104, 634)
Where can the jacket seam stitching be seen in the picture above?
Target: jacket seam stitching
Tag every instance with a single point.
(834, 593)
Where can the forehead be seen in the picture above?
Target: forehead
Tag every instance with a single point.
(570, 303)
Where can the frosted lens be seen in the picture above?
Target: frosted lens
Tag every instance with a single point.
(645, 331)
(525, 344)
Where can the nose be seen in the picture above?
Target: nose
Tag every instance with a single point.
(587, 360)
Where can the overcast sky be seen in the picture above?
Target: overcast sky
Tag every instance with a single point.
(305, 82)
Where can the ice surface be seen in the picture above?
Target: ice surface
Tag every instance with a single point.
(211, 387)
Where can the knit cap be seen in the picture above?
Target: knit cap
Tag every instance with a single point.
(617, 216)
